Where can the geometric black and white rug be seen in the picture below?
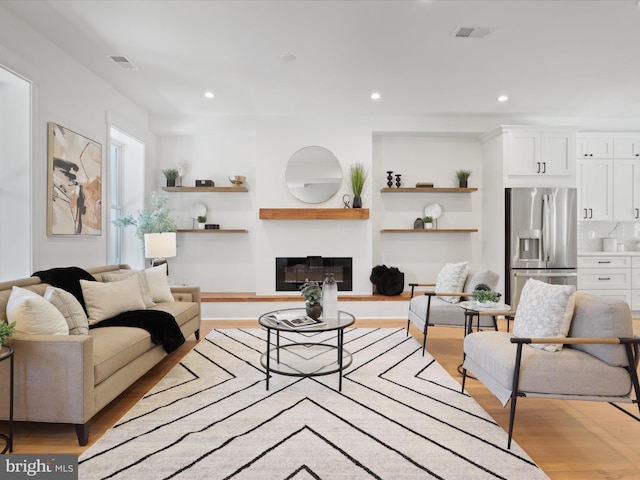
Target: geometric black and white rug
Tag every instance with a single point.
(399, 416)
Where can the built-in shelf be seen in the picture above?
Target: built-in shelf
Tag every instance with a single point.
(205, 189)
(314, 213)
(428, 190)
(430, 230)
(204, 230)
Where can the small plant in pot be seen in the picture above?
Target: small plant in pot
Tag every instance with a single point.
(463, 177)
(202, 219)
(312, 294)
(485, 297)
(6, 330)
(171, 174)
(358, 175)
(428, 222)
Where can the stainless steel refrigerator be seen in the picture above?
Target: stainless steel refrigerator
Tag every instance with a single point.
(541, 238)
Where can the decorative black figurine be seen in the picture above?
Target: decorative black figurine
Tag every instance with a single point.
(389, 178)
(398, 181)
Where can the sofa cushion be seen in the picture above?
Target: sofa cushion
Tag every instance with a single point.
(544, 310)
(106, 300)
(565, 372)
(181, 311)
(116, 347)
(145, 291)
(70, 308)
(158, 284)
(451, 280)
(602, 317)
(34, 315)
(476, 276)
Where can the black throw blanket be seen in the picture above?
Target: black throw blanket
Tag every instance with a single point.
(161, 325)
(66, 278)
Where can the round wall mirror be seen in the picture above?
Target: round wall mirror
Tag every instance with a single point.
(313, 174)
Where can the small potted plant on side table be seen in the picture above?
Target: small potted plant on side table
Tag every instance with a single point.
(463, 177)
(6, 330)
(312, 294)
(485, 298)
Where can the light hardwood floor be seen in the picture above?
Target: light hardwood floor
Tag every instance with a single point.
(567, 439)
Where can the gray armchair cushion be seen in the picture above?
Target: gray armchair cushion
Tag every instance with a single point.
(476, 276)
(490, 356)
(602, 317)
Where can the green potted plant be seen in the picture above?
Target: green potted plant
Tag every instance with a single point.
(428, 222)
(485, 297)
(171, 174)
(312, 294)
(152, 220)
(202, 219)
(463, 176)
(6, 330)
(358, 175)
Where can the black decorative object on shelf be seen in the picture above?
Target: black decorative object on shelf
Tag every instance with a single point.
(389, 178)
(398, 181)
(418, 224)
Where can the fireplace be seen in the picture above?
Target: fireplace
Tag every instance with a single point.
(291, 272)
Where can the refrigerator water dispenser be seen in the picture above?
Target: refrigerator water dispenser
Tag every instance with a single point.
(529, 241)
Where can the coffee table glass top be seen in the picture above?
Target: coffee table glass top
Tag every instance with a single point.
(343, 320)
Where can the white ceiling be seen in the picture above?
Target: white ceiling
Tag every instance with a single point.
(552, 58)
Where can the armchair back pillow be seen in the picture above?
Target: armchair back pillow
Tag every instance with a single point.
(544, 310)
(451, 280)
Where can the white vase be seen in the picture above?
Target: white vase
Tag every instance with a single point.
(428, 225)
(200, 226)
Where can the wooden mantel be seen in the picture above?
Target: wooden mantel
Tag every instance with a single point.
(314, 213)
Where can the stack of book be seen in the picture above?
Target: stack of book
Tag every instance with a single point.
(294, 320)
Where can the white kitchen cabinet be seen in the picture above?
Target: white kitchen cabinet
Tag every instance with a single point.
(594, 147)
(595, 189)
(626, 147)
(626, 189)
(540, 153)
(607, 276)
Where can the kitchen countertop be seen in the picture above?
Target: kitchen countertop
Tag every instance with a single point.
(609, 254)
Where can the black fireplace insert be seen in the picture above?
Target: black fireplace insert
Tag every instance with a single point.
(291, 272)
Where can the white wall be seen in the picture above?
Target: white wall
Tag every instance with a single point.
(66, 93)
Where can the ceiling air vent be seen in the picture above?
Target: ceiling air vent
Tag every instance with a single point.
(471, 32)
(123, 62)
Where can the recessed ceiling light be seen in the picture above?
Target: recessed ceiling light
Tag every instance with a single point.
(208, 94)
(503, 98)
(375, 96)
(288, 57)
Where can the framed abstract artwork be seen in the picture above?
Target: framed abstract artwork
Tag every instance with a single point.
(74, 183)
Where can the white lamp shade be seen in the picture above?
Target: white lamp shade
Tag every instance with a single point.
(160, 245)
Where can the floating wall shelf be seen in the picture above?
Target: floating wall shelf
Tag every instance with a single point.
(428, 190)
(205, 189)
(204, 230)
(314, 213)
(430, 230)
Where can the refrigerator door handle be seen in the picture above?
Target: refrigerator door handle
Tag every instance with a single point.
(542, 274)
(548, 240)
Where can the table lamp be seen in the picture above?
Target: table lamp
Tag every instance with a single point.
(160, 246)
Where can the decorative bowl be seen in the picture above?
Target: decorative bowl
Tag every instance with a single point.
(237, 179)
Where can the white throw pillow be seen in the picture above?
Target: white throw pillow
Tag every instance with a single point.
(544, 310)
(34, 315)
(70, 308)
(145, 291)
(106, 300)
(451, 280)
(158, 283)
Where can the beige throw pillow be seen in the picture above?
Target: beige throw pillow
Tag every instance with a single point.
(158, 283)
(106, 300)
(34, 315)
(147, 298)
(70, 308)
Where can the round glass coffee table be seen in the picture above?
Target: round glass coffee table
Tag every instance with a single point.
(302, 357)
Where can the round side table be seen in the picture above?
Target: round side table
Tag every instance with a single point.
(6, 352)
